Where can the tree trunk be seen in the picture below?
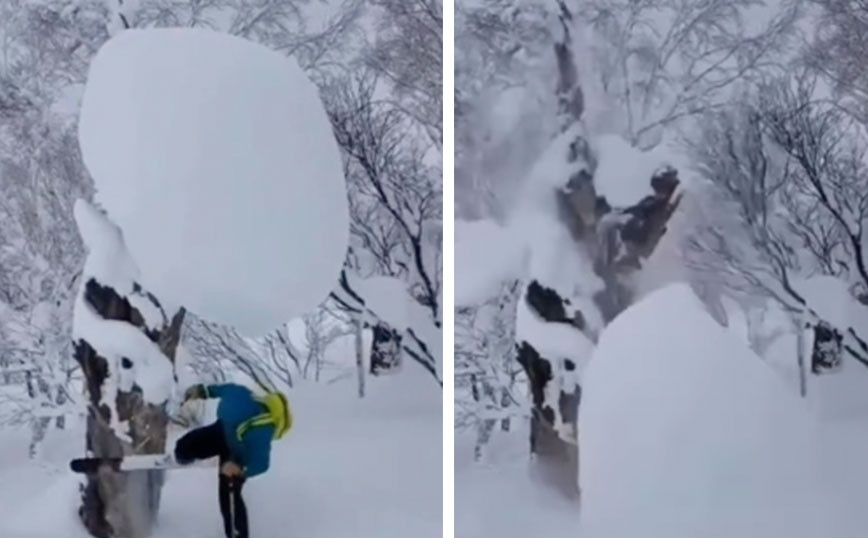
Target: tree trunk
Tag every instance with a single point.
(122, 504)
(125, 345)
(616, 248)
(385, 350)
(557, 459)
(554, 424)
(800, 356)
(360, 363)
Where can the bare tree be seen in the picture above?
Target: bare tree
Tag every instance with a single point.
(836, 50)
(489, 382)
(413, 342)
(397, 196)
(408, 53)
(663, 61)
(221, 349)
(790, 166)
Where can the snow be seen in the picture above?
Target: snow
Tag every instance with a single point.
(831, 299)
(216, 158)
(389, 299)
(108, 262)
(549, 172)
(686, 430)
(552, 340)
(624, 173)
(349, 468)
(487, 254)
(500, 497)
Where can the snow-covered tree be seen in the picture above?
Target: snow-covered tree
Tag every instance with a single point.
(790, 168)
(125, 343)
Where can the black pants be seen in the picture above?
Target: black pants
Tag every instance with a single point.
(207, 442)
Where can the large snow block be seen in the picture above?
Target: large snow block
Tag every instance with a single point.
(216, 158)
(685, 433)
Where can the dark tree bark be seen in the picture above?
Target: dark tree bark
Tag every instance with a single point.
(828, 349)
(122, 504)
(385, 350)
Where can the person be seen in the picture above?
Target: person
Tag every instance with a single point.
(241, 438)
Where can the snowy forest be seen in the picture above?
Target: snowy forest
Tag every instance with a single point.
(660, 268)
(362, 370)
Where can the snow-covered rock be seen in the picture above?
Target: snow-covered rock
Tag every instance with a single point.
(216, 158)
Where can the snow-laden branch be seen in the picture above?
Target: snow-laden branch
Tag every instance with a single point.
(387, 300)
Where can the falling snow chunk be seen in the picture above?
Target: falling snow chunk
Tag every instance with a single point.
(216, 158)
(624, 173)
(486, 256)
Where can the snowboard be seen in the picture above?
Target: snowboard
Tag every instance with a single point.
(137, 462)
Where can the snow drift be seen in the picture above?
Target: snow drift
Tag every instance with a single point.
(216, 158)
(684, 432)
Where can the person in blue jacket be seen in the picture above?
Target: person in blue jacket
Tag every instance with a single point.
(241, 437)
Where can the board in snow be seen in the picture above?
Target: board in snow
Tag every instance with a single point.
(137, 462)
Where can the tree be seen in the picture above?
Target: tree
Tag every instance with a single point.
(128, 363)
(395, 205)
(790, 167)
(835, 50)
(408, 53)
(488, 379)
(660, 61)
(604, 247)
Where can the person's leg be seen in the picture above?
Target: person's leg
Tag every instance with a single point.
(232, 507)
(200, 444)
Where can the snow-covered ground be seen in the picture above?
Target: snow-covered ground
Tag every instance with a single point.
(685, 433)
(499, 497)
(349, 468)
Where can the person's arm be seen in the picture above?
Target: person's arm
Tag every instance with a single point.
(257, 448)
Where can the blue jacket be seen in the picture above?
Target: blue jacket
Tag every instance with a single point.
(237, 405)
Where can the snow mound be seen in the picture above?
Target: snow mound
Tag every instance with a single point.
(216, 158)
(683, 428)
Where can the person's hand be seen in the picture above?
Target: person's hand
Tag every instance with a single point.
(232, 470)
(195, 392)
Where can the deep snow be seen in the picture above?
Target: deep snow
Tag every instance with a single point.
(500, 497)
(684, 433)
(348, 468)
(216, 158)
